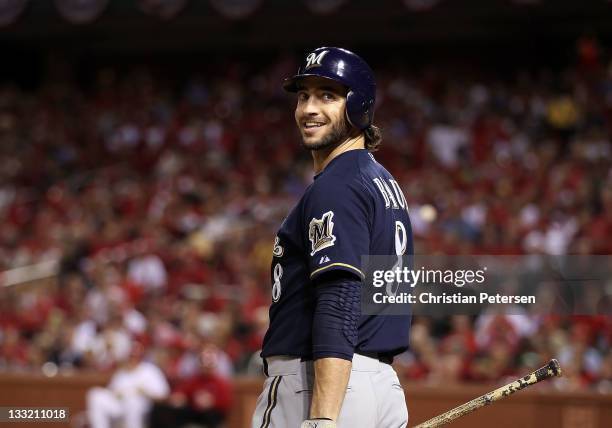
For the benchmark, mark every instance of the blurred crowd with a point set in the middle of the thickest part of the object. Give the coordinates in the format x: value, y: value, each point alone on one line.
x: 160, y: 202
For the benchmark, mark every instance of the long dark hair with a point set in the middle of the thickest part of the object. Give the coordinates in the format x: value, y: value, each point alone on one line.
x: 373, y: 138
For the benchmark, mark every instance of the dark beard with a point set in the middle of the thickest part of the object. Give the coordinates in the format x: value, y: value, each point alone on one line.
x: 339, y: 132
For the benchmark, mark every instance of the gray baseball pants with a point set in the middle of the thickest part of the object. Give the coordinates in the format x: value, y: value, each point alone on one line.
x: 374, y: 397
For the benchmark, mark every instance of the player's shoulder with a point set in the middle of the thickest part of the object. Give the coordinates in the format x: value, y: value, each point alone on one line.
x: 341, y: 188
x: 345, y: 172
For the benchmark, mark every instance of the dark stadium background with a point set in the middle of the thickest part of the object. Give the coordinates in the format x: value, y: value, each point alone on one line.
x: 66, y: 91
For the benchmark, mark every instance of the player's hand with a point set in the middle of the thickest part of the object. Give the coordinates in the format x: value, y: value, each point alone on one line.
x: 318, y: 423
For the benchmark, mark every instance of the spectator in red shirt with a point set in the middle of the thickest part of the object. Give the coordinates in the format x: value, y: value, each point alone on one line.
x: 203, y: 399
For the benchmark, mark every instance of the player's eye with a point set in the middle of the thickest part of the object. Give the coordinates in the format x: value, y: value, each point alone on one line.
x: 302, y: 96
x: 328, y: 96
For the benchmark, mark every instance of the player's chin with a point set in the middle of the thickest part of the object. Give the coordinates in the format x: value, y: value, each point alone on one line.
x: 313, y: 143
x: 309, y: 139
x: 313, y: 137
x: 312, y: 133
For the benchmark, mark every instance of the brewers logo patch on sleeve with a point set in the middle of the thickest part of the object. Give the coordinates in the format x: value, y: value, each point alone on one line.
x: 336, y: 225
x: 320, y: 232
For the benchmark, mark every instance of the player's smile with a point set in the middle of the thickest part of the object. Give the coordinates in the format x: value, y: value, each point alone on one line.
x: 311, y: 127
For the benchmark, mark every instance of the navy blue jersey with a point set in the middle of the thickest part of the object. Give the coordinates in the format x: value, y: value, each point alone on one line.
x: 353, y: 208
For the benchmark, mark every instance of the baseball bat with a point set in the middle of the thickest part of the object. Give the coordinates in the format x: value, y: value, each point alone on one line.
x: 551, y: 369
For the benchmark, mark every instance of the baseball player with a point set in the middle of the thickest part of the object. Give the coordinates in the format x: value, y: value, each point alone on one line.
x: 130, y: 394
x: 327, y: 365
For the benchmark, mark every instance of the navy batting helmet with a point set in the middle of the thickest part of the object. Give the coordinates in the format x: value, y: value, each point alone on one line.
x: 344, y: 67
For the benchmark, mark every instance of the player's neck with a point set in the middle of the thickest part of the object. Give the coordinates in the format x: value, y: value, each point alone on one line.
x: 322, y: 158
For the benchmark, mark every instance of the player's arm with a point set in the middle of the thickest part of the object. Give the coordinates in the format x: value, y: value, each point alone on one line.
x: 334, y: 339
x: 337, y: 220
x: 331, y: 379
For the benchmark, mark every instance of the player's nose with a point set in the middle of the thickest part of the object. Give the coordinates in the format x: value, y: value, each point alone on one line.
x: 310, y: 107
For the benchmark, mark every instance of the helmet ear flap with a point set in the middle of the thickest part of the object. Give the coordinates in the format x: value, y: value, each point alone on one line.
x: 358, y: 110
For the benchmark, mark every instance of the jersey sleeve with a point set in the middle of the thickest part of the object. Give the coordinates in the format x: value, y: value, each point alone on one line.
x: 337, y: 227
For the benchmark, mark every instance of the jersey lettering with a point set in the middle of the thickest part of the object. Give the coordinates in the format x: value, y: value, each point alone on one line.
x: 393, y: 198
x: 401, y: 199
x: 390, y: 193
x: 383, y: 191
x: 401, y: 243
x: 276, y: 287
x: 401, y: 238
x: 278, y: 249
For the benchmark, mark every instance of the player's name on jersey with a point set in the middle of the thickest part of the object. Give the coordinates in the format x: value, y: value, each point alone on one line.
x: 452, y: 298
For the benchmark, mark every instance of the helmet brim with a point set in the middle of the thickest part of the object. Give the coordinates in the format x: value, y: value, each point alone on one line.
x: 290, y: 84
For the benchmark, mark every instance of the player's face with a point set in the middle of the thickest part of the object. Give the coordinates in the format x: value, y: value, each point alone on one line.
x: 320, y: 113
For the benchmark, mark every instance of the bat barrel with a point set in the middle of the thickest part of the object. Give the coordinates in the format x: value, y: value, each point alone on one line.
x: 551, y: 369
x: 555, y: 367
